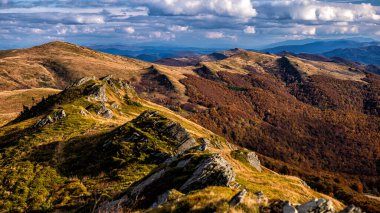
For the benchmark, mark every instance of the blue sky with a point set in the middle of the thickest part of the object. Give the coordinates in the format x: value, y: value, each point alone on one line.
x: 196, y: 23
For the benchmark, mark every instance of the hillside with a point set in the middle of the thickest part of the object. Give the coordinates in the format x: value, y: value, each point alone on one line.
x: 320, y: 46
x: 95, y: 144
x: 366, y: 55
x: 312, y: 118
x: 12, y: 102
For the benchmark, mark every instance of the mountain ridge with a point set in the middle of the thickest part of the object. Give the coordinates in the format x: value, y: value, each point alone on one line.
x: 308, y: 114
x: 66, y: 154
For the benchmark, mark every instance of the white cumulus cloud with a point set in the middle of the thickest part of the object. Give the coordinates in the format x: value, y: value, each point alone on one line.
x: 178, y: 28
x: 129, y: 30
x: 313, y: 10
x: 249, y: 30
x: 235, y: 8
x: 215, y: 35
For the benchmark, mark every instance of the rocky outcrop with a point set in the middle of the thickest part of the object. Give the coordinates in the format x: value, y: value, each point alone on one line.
x: 84, y: 80
x: 289, y: 208
x: 316, y: 205
x: 238, y: 198
x: 98, y: 92
x: 105, y: 112
x: 196, y: 171
x: 205, y: 144
x: 171, y: 129
x: 57, y: 115
x: 212, y: 171
x: 351, y: 209
x: 254, y: 161
x: 168, y: 196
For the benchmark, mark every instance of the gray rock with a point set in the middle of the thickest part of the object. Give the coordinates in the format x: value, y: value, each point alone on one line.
x: 57, y: 115
x: 105, y: 112
x: 148, y: 181
x: 43, y: 122
x: 212, y: 171
x: 199, y: 173
x: 84, y: 80
x: 205, y: 143
x: 170, y: 129
x: 107, y: 78
x: 316, y: 205
x: 183, y: 163
x: 84, y: 112
x: 351, y: 209
x: 162, y: 199
x: 176, y: 131
x: 98, y: 92
x: 289, y: 208
x: 115, y: 105
x: 169, y: 195
x: 238, y: 198
x: 254, y: 161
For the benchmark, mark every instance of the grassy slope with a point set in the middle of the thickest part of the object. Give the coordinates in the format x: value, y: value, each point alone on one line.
x: 34, y: 162
x: 12, y: 102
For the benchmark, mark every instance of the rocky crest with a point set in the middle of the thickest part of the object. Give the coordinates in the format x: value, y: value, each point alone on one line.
x: 195, y: 171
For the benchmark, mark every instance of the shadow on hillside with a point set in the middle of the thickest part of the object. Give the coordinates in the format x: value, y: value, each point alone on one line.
x: 80, y: 156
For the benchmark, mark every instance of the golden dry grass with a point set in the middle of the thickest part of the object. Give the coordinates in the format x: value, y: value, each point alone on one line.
x: 11, y: 102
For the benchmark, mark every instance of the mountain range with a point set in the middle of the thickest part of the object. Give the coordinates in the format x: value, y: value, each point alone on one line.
x: 188, y: 131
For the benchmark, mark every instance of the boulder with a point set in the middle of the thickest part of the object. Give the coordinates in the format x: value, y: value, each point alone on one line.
x: 254, y: 161
x: 205, y: 143
x: 196, y: 171
x: 84, y: 112
x: 43, y: 122
x: 316, y: 205
x: 115, y: 105
x: 238, y: 198
x: 351, y: 209
x: 168, y: 196
x: 58, y: 115
x: 171, y: 129
x: 55, y: 116
x: 98, y: 92
x: 105, y: 112
x: 84, y: 80
x: 289, y: 208
x: 212, y: 171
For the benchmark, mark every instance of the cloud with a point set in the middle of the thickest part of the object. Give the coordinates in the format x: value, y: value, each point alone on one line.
x: 220, y: 35
x: 233, y: 8
x: 91, y: 19
x: 178, y: 28
x: 167, y: 36
x: 249, y: 30
x: 214, y: 35
x: 129, y: 30
x: 313, y: 10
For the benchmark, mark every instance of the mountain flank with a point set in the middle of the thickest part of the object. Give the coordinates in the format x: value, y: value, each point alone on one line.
x: 97, y: 146
x: 316, y: 119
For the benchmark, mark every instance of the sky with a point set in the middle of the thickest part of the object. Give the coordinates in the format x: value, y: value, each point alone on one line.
x: 190, y: 23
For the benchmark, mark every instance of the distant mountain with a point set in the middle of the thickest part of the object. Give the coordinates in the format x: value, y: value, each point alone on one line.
x: 194, y: 60
x: 320, y: 46
x: 366, y: 55
x: 153, y: 53
x: 312, y: 40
